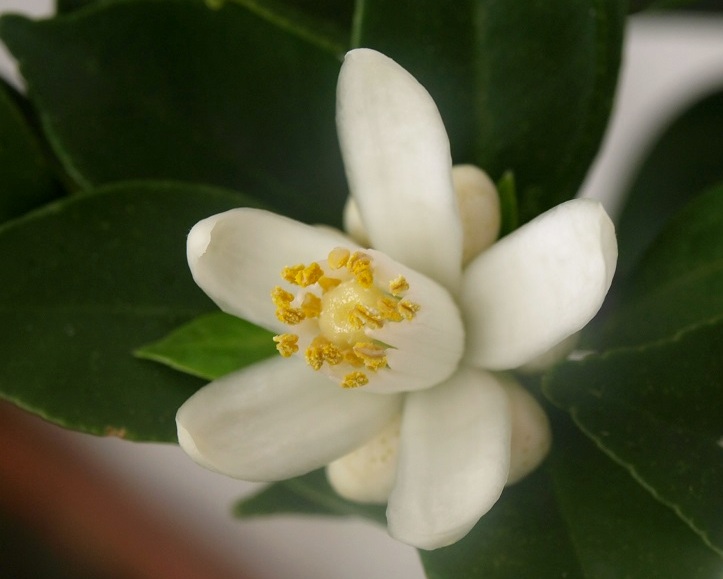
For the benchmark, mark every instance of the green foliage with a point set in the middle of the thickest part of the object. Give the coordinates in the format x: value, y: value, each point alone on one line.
x: 522, y: 86
x: 619, y: 529
x: 672, y: 173
x: 211, y: 346
x: 27, y: 180
x: 175, y: 90
x: 94, y: 277
x: 679, y: 281
x: 657, y: 410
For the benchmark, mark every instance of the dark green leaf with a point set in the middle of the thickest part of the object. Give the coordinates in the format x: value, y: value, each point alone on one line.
x: 673, y: 172
x: 619, y: 530
x: 522, y: 536
x: 310, y: 494
x: 679, y: 282
x: 211, y: 346
x: 62, y: 6
x: 176, y: 90
x: 522, y: 86
x: 508, y: 203
x: 91, y: 279
x: 697, y: 5
x: 26, y: 180
x: 657, y: 410
x: 321, y: 23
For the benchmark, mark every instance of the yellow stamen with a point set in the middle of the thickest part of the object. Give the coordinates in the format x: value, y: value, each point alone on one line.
x: 363, y: 316
x: 408, y: 309
x: 309, y: 275
x: 328, y: 283
x: 322, y: 350
x: 372, y: 355
x: 338, y: 257
x: 388, y: 309
x: 355, y: 257
x: 398, y: 286
x: 281, y: 297
x: 289, y: 315
x: 287, y: 344
x: 355, y: 380
x: 360, y: 264
x: 340, y: 313
x: 311, y: 306
x: 289, y: 273
x: 351, y: 358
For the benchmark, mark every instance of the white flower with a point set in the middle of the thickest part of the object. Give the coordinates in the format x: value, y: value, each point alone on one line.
x: 410, y: 334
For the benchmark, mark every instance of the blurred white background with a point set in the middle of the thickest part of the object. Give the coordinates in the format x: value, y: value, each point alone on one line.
x: 669, y: 62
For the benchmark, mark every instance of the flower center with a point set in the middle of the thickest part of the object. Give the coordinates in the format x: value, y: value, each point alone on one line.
x: 338, y: 304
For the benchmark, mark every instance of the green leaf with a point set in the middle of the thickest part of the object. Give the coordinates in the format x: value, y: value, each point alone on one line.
x: 521, y: 86
x: 672, y: 173
x: 211, y: 346
x: 62, y: 6
x: 310, y: 494
x: 679, y: 282
x: 522, y: 536
x: 323, y: 24
x: 657, y: 410
x: 176, y: 90
x: 92, y: 278
x: 508, y: 203
x: 27, y: 180
x: 618, y: 529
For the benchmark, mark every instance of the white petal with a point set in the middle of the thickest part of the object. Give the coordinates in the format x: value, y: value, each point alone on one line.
x: 236, y: 257
x: 353, y: 224
x: 277, y: 419
x: 398, y: 164
x: 453, y: 459
x: 531, y: 435
x: 479, y: 208
x: 538, y: 285
x: 367, y: 474
x: 425, y: 350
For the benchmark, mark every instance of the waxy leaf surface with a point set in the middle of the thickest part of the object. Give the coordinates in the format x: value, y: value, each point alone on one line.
x: 211, y: 346
x: 93, y: 278
x: 177, y: 90
x: 657, y: 410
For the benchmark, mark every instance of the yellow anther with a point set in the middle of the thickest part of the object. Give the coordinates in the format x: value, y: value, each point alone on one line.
x: 388, y: 309
x: 372, y: 355
x: 364, y: 274
x: 322, y: 350
x: 362, y: 316
x: 311, y: 306
x: 360, y: 264
x: 289, y: 315
x: 358, y: 261
x: 309, y: 275
x: 281, y: 297
x: 351, y: 358
x: 287, y: 344
x: 355, y: 380
x: 339, y: 313
x: 408, y: 309
x: 398, y: 286
x: 290, y: 272
x: 338, y: 257
x: 328, y: 283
